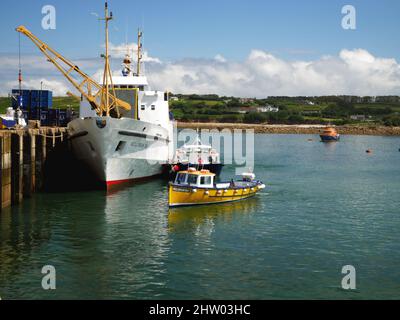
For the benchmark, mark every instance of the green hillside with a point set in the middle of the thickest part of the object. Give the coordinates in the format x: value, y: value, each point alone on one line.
x: 292, y: 110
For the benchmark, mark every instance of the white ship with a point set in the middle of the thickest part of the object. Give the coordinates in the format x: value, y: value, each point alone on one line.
x: 124, y: 131
x: 136, y: 144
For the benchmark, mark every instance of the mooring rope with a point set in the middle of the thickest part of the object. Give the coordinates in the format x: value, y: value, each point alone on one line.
x: 51, y: 136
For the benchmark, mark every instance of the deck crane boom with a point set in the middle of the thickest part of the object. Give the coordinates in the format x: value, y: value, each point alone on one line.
x: 90, y: 89
x: 70, y: 94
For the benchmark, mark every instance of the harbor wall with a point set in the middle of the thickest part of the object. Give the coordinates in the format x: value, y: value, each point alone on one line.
x: 22, y: 161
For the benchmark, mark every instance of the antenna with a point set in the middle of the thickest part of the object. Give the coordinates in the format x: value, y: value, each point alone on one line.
x: 19, y: 70
x: 126, y: 38
x: 107, y: 76
x: 139, y: 51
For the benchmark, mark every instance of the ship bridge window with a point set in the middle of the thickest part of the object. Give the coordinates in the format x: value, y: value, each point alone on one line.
x: 124, y: 87
x: 153, y: 107
x: 143, y: 107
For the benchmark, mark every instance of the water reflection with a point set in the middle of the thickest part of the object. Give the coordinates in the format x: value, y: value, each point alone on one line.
x: 180, y: 219
x: 101, y: 245
x: 22, y: 231
x: 136, y: 239
x: 330, y: 145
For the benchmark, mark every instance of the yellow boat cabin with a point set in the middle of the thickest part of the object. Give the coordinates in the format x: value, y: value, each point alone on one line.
x: 195, y: 187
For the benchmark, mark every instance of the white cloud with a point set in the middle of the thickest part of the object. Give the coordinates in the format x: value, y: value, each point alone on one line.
x: 58, y: 87
x: 261, y: 74
x: 119, y: 51
x: 220, y: 58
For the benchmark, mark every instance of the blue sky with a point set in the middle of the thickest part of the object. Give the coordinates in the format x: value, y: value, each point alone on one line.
x: 201, y: 29
x: 286, y: 47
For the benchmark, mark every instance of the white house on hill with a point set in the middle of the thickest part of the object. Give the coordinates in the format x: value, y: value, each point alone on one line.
x: 268, y: 108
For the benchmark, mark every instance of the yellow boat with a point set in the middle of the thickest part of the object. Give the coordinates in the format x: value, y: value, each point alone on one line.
x: 194, y: 187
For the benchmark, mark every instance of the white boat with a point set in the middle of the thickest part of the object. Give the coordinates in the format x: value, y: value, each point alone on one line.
x: 134, y: 146
x: 196, y: 155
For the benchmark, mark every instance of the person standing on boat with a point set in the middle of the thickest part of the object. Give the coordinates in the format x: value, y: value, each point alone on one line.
x: 200, y: 161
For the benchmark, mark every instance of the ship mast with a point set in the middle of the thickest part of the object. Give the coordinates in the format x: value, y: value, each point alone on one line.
x: 139, y: 51
x: 107, y: 76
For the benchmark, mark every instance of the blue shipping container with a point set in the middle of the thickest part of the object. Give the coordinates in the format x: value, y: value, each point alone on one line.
x: 25, y: 115
x: 41, y: 99
x: 32, y: 99
x: 25, y: 96
x: 44, y: 117
x: 34, y: 114
x: 53, y: 117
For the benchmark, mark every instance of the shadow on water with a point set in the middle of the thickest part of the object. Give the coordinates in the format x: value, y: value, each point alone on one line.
x: 63, y: 172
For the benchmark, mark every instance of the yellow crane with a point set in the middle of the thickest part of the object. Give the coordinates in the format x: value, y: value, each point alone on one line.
x: 99, y: 96
x: 70, y: 94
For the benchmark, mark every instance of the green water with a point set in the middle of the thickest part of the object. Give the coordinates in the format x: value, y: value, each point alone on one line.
x: 326, y: 206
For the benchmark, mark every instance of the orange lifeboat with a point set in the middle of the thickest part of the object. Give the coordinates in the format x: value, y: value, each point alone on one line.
x: 329, y: 134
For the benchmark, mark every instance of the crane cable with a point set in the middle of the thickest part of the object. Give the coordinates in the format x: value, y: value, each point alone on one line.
x: 19, y: 67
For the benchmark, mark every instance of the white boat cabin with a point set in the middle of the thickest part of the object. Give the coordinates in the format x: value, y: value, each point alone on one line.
x: 194, y: 178
x: 196, y: 153
x: 206, y: 179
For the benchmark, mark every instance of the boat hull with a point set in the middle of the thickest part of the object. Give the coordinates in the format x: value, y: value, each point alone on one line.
x: 188, y: 196
x: 325, y: 138
x: 119, y: 151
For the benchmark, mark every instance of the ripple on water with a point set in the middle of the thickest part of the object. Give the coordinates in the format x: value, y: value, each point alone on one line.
x: 325, y: 206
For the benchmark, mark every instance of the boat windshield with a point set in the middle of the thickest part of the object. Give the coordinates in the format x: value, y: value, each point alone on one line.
x: 206, y: 180
x: 192, y: 179
x: 180, y: 178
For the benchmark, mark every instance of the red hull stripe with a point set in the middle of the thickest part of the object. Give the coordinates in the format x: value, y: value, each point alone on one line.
x: 115, y: 182
x: 119, y: 182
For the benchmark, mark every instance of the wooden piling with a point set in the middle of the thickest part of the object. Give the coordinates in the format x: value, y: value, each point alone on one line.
x: 29, y: 164
x: 17, y: 167
x: 40, y: 158
x: 5, y: 170
x: 1, y: 170
x: 22, y: 159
